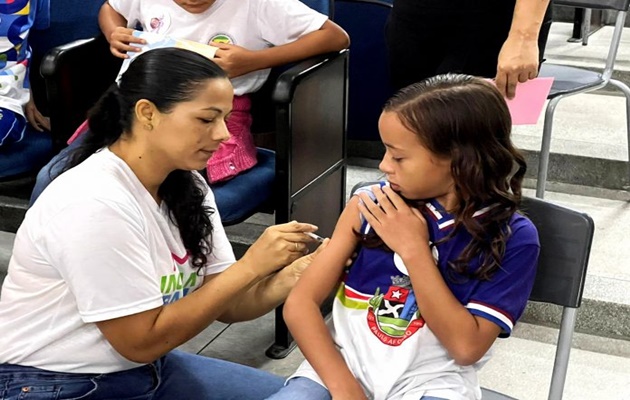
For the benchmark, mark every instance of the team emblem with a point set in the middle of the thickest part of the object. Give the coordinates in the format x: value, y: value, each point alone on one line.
x: 394, y: 316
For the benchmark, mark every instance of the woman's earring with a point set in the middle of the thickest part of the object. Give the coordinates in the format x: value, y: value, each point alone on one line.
x: 149, y: 127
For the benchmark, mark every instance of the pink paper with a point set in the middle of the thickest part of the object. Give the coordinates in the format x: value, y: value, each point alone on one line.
x: 529, y: 101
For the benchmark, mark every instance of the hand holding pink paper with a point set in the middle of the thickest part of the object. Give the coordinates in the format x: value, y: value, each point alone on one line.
x: 529, y: 101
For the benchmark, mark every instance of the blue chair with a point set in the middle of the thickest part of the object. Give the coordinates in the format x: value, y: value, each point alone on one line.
x: 369, y: 87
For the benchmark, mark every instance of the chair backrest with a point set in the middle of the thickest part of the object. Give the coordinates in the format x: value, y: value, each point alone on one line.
x: 619, y: 5
x: 71, y: 86
x: 311, y: 143
x: 364, y: 20
x: 565, y: 237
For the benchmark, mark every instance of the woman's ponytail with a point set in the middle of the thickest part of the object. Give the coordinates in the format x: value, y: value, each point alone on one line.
x: 105, y: 125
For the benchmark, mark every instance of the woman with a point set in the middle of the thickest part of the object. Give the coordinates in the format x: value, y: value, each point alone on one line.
x: 124, y: 258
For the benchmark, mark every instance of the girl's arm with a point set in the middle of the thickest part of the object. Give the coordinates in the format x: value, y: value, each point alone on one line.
x: 466, y: 337
x: 302, y: 308
x: 114, y: 28
x: 518, y: 59
x: 147, y: 335
x: 238, y: 61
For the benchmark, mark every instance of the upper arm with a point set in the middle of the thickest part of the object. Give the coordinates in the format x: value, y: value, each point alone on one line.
x: 502, y: 299
x: 118, y: 13
x: 322, y: 276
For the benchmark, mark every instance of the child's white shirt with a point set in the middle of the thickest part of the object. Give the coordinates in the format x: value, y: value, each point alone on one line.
x: 252, y: 24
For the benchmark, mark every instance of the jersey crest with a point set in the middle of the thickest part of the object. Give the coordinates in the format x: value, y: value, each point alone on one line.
x: 394, y: 316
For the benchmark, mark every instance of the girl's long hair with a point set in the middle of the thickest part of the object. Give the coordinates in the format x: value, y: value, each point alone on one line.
x: 466, y: 119
x: 165, y: 77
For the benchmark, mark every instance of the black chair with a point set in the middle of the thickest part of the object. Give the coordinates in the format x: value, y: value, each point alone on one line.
x: 570, y: 81
x: 565, y: 245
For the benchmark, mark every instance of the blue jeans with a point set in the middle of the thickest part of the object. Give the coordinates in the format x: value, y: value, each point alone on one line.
x: 177, y: 375
x: 301, y: 388
x: 51, y: 170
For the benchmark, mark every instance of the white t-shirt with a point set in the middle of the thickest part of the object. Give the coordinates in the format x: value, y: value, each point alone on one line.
x: 94, y: 247
x: 252, y: 24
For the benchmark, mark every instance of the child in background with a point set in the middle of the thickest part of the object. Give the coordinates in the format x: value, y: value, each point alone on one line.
x: 251, y: 35
x: 446, y: 263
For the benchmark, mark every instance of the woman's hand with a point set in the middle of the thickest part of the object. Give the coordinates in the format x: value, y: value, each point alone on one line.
x: 279, y: 246
x: 120, y: 42
x: 298, y: 266
x: 518, y: 63
x: 400, y: 226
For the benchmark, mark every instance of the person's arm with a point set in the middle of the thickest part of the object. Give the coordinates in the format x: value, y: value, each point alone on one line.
x: 519, y: 58
x: 268, y: 293
x: 145, y: 336
x: 114, y: 28
x: 302, y: 308
x: 466, y: 337
x: 238, y: 61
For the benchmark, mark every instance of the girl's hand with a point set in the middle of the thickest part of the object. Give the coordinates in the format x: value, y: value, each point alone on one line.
x: 120, y: 42
x: 279, y: 246
x: 235, y: 60
x: 401, y: 227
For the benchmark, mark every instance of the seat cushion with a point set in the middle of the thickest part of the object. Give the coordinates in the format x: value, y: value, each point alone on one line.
x: 242, y: 196
x: 569, y: 79
x: 27, y: 155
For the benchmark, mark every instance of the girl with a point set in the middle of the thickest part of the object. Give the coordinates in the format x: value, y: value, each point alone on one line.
x: 446, y: 263
x: 123, y: 258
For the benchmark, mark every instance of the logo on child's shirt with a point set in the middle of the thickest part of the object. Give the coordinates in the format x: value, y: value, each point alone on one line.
x: 158, y: 20
x: 223, y: 38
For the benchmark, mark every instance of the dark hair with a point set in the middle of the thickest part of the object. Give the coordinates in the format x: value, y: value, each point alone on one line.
x: 466, y: 119
x: 166, y: 77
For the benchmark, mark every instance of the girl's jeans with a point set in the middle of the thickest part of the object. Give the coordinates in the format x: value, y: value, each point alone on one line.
x: 301, y: 388
x: 177, y: 375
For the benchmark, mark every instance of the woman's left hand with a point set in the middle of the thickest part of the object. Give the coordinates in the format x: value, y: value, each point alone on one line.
x: 400, y: 226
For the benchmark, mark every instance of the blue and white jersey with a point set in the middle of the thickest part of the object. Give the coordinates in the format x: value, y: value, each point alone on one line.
x: 379, y: 328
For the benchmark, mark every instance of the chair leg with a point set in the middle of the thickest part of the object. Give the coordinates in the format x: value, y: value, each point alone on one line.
x: 563, y: 350
x: 543, y: 163
x: 626, y: 91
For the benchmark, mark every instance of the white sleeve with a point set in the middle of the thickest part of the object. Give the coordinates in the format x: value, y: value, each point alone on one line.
x: 129, y: 9
x: 222, y: 255
x: 101, y: 250
x: 285, y: 21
